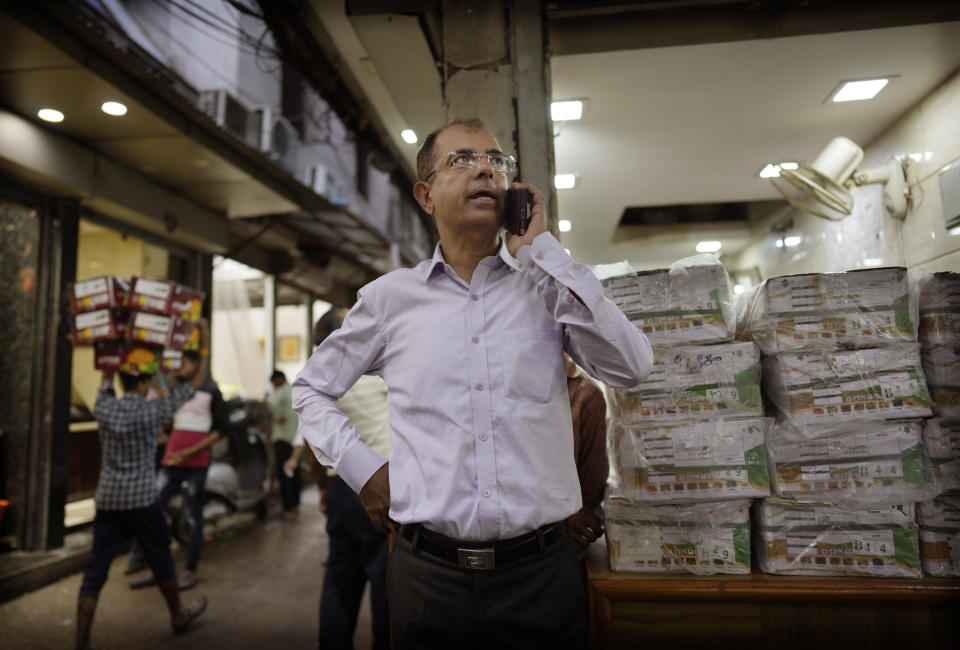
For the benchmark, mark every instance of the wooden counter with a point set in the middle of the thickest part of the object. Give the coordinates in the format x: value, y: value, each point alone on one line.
x: 636, y: 610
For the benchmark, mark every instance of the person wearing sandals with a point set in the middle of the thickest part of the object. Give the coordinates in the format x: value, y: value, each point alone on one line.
x: 126, y: 500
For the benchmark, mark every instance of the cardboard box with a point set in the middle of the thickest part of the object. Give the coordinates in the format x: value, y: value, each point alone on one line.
x: 940, y: 309
x: 151, y: 294
x: 697, y: 461
x: 114, y: 355
x: 680, y: 306
x: 171, y: 360
x: 186, y: 303
x: 99, y: 325
x: 828, y: 388
x: 696, y: 382
x: 873, y: 461
x: 940, y: 536
x: 941, y: 364
x: 150, y: 328
x: 702, y: 538
x: 847, y: 310
x: 826, y: 540
x: 184, y: 335
x: 98, y: 293
x: 941, y: 439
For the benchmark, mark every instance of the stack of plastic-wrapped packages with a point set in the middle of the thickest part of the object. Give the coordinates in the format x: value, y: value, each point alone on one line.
x: 688, y: 443
x: 939, y: 518
x: 842, y: 369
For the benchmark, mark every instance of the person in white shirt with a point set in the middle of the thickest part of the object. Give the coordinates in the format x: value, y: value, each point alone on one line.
x: 481, y: 477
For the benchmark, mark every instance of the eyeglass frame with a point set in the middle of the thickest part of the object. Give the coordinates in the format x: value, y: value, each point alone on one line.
x: 511, y: 161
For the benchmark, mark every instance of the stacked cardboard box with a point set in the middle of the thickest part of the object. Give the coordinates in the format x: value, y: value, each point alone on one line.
x: 690, y: 435
x: 700, y: 538
x: 136, y: 320
x: 822, y: 539
x: 941, y: 438
x: 940, y: 536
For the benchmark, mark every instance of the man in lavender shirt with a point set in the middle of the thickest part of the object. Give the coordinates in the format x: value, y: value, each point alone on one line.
x: 481, y: 476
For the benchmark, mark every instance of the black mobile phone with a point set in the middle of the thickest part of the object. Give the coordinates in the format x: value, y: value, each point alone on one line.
x: 517, y: 216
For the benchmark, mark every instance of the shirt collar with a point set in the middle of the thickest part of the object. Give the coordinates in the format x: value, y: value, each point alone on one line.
x: 437, y: 261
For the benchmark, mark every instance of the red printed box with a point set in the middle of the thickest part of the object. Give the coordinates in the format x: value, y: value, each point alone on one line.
x: 186, y: 303
x: 153, y: 329
x: 99, y: 325
x: 108, y: 355
x: 185, y: 335
x: 150, y: 294
x: 171, y: 360
x: 98, y: 293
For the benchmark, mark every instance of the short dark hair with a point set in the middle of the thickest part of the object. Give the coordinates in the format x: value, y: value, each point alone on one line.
x: 278, y: 374
x: 130, y: 382
x: 327, y: 324
x: 425, y: 155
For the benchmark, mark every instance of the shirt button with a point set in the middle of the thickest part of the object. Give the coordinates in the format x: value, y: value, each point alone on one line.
x: 570, y: 299
x: 483, y: 437
x: 539, y: 256
x: 474, y: 296
x: 475, y: 339
x: 479, y: 386
x: 531, y: 264
x: 486, y: 493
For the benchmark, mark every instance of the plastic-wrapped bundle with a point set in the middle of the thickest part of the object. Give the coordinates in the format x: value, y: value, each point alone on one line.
x: 940, y: 536
x: 873, y: 461
x: 941, y: 438
x: 846, y: 310
x: 695, y: 461
x: 815, y: 539
x: 940, y: 309
x: 696, y: 382
x: 828, y: 388
x: 941, y: 364
x: 700, y: 538
x: 691, y: 302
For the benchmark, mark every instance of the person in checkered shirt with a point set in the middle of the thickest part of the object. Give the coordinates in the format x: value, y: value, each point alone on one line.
x: 126, y: 499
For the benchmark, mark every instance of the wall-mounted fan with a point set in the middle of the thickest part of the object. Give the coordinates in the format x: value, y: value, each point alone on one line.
x: 822, y: 188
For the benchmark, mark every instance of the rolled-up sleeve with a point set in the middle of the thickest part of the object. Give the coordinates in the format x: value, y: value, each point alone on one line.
x: 597, y: 334
x: 355, y: 349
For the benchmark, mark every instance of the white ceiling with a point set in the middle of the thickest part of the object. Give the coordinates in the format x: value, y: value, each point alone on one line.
x: 694, y: 124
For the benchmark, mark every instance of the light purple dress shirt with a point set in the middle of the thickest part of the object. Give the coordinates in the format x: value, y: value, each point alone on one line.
x: 477, y: 394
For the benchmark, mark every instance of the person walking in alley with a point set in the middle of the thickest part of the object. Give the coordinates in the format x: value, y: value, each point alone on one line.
x: 358, y: 551
x: 284, y: 432
x: 126, y: 499
x: 196, y: 426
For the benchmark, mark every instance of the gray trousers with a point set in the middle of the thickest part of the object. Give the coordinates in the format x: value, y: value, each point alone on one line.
x: 537, y: 602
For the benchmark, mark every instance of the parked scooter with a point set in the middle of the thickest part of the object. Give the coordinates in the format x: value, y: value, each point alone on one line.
x: 240, y: 473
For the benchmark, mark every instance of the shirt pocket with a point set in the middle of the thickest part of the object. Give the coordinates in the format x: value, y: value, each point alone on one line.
x: 532, y: 363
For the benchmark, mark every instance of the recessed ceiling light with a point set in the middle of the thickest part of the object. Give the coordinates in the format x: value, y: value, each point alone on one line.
x: 852, y: 91
x: 738, y: 289
x: 708, y: 246
x: 792, y: 240
x: 564, y: 181
x: 113, y: 108
x: 50, y: 115
x: 568, y: 110
x: 564, y: 225
x: 789, y: 165
x: 408, y: 136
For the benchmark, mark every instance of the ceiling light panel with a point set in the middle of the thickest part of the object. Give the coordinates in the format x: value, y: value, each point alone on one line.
x: 709, y: 246
x: 564, y: 225
x: 567, y: 110
x: 409, y: 136
x: 853, y: 91
x: 113, y: 108
x: 565, y: 181
x: 50, y: 115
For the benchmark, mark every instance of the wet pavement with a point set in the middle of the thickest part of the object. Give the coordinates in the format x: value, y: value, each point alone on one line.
x: 263, y: 580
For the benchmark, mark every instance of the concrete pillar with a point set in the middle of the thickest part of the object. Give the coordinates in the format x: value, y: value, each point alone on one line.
x: 270, y: 322
x: 496, y: 68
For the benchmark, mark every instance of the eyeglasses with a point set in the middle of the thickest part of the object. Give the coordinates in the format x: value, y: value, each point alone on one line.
x: 466, y: 159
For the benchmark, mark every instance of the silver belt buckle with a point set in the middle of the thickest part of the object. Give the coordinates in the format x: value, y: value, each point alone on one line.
x: 481, y: 559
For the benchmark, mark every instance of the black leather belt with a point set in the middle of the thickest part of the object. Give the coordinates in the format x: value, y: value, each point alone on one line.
x: 483, y: 555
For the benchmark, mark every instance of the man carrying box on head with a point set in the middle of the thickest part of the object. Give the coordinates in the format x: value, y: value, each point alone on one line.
x: 126, y: 498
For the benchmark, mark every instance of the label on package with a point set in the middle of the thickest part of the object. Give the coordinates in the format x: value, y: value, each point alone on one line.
x: 90, y: 287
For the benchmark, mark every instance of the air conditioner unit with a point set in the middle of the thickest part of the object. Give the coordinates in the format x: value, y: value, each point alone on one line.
x: 320, y: 180
x: 229, y: 113
x: 279, y: 140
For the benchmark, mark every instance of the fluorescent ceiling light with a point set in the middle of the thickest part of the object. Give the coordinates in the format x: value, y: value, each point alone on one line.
x: 113, y: 108
x: 954, y: 231
x: 771, y: 170
x: 779, y: 243
x: 569, y: 110
x: 564, y: 225
x: 789, y: 165
x: 872, y: 261
x: 792, y: 240
x: 50, y: 115
x: 408, y: 136
x: 564, y: 181
x: 708, y: 246
x: 852, y: 91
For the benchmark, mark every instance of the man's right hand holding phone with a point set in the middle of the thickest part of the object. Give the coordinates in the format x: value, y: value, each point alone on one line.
x: 538, y: 221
